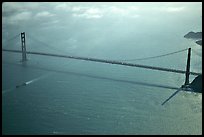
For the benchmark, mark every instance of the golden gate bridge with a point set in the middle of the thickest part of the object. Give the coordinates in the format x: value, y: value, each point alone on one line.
x: 187, y: 72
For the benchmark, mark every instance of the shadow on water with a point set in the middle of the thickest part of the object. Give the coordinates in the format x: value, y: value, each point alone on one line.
x: 171, y: 96
x: 94, y: 76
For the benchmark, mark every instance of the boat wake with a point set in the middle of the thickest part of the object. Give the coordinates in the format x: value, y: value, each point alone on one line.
x: 25, y: 83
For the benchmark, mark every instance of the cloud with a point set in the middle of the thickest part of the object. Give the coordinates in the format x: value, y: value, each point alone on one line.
x: 44, y: 14
x: 13, y: 12
x: 174, y: 9
x: 99, y: 12
x: 93, y: 11
x: 135, y: 16
x: 116, y: 10
x: 62, y: 6
x: 50, y: 23
x: 11, y: 7
x: 15, y: 7
x: 78, y: 8
x: 128, y: 11
x: 88, y: 16
x: 169, y: 9
x: 87, y: 12
x: 134, y: 8
x: 23, y: 16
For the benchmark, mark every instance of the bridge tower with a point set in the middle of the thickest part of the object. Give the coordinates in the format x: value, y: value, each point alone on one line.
x: 23, y: 47
x: 188, y: 68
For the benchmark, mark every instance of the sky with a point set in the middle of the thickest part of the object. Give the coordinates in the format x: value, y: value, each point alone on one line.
x: 100, y: 23
x: 47, y: 15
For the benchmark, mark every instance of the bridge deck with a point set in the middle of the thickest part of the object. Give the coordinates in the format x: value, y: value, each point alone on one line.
x: 105, y: 61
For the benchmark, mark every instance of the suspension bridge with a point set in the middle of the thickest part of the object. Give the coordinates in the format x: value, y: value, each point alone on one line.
x: 187, y: 72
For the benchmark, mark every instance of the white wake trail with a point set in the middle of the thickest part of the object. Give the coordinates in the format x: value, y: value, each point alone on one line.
x: 36, y: 79
x: 26, y: 83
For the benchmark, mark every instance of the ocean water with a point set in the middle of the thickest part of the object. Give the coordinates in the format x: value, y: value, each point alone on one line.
x: 65, y: 96
x: 79, y: 97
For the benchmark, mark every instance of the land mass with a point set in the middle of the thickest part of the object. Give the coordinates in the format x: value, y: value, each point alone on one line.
x: 199, y: 42
x: 196, y: 84
x: 193, y: 35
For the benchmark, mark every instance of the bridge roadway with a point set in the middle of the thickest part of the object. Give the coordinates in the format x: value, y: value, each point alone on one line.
x: 104, y: 61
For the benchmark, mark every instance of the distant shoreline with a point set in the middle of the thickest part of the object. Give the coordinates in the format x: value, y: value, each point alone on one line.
x: 195, y: 36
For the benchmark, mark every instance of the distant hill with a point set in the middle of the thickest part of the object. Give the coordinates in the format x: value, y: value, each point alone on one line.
x: 199, y: 42
x: 193, y: 35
